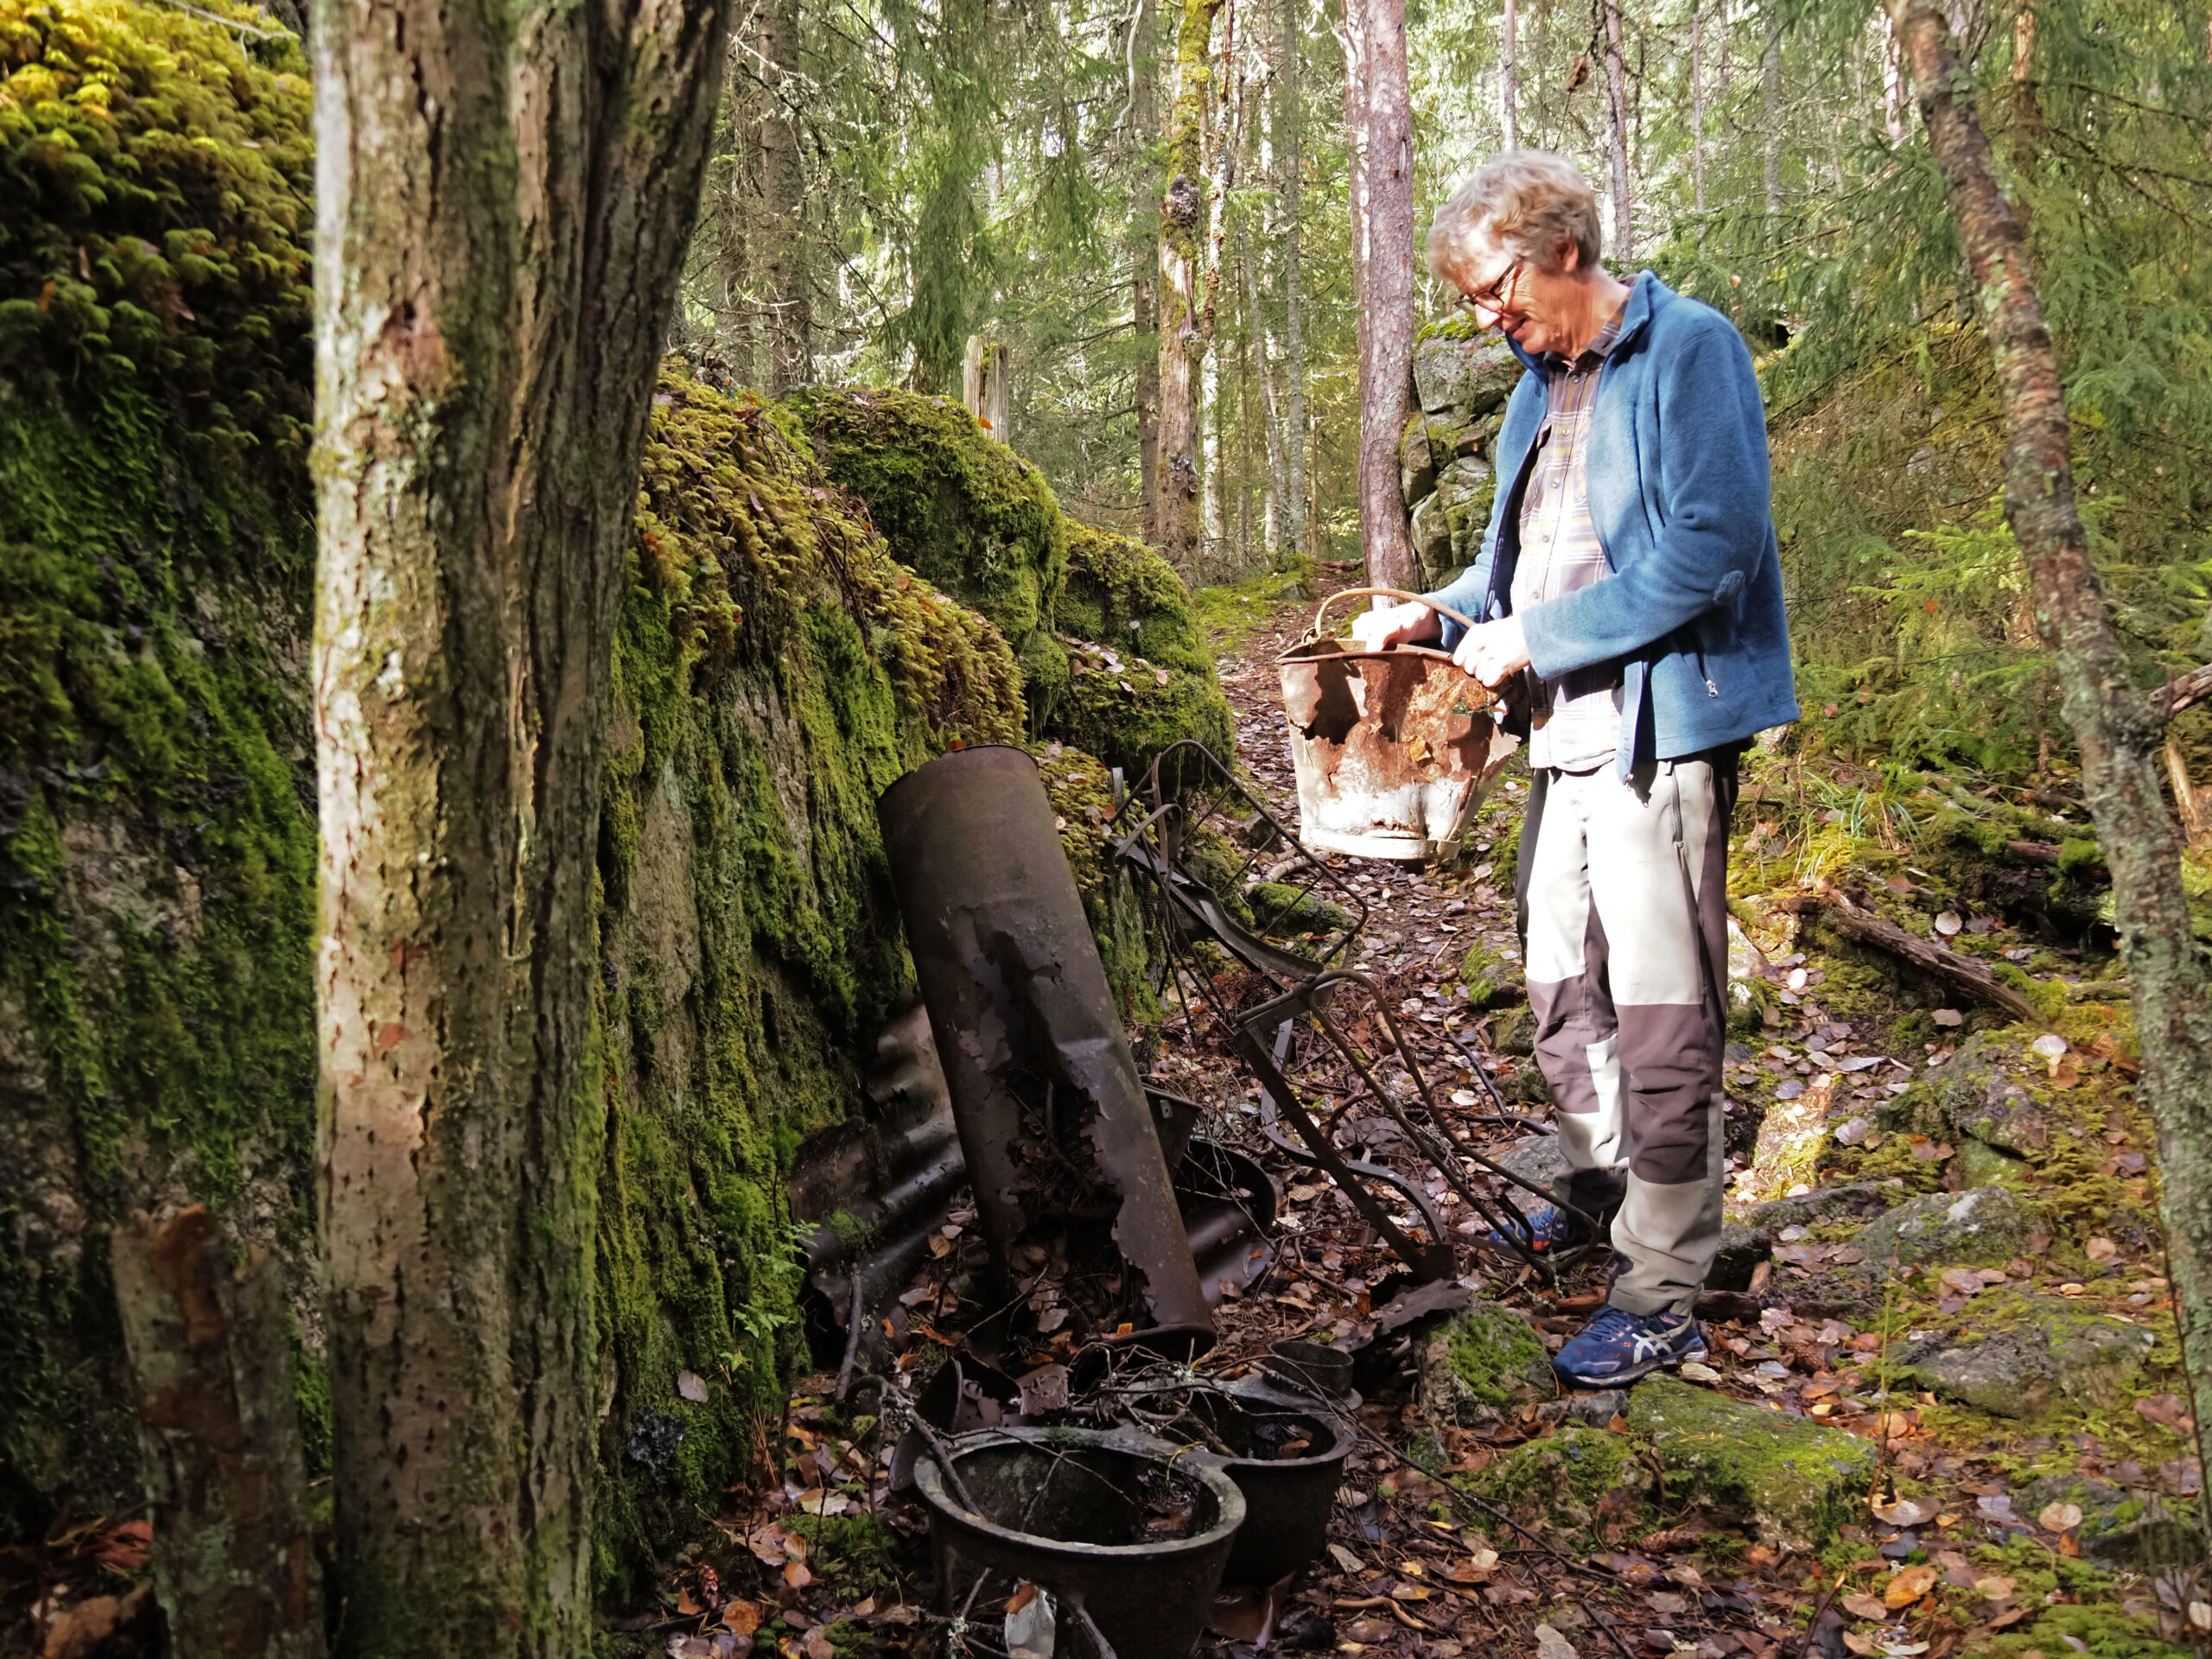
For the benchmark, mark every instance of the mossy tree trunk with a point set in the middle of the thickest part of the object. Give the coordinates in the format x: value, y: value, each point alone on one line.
x: 505, y: 196
x: 2116, y: 726
x: 1385, y: 267
x: 1182, y: 327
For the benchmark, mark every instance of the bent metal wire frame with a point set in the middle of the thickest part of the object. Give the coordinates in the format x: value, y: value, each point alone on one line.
x: 1191, y: 818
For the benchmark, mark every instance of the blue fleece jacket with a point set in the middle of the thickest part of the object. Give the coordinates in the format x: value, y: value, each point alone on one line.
x: 1679, y: 496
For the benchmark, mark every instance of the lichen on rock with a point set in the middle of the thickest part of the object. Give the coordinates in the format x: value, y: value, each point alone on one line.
x: 1584, y: 1485
x: 1984, y: 1226
x: 2019, y: 1356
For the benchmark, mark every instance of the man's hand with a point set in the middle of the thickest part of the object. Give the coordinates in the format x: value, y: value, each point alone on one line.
x: 1395, y: 624
x: 1493, y: 651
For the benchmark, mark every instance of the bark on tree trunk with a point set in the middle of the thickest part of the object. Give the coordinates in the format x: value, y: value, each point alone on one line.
x: 1508, y: 78
x: 505, y: 196
x: 2116, y: 726
x: 1182, y: 336
x: 1772, y: 76
x: 1144, y: 311
x: 210, y: 1363
x: 791, y: 352
x: 1386, y: 367
x: 1697, y: 112
x: 1271, y: 421
x: 1617, y: 103
x: 1290, y: 146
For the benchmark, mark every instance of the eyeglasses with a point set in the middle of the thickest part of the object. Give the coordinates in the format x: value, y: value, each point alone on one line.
x: 1491, y: 295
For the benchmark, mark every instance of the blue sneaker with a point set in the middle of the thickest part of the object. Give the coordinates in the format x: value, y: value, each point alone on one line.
x: 1619, y: 1346
x: 1554, y: 1229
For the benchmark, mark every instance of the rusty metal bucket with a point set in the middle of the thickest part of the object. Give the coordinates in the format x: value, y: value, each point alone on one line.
x: 1393, y: 748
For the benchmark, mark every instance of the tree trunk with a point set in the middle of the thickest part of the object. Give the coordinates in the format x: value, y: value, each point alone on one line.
x: 1182, y: 337
x: 1386, y: 365
x: 783, y: 185
x: 1289, y: 147
x: 210, y: 1363
x: 504, y: 198
x: 1772, y: 135
x: 1697, y: 114
x: 1271, y: 417
x: 2116, y: 726
x: 1724, y: 69
x: 1144, y: 311
x: 1617, y: 106
x: 1509, y: 80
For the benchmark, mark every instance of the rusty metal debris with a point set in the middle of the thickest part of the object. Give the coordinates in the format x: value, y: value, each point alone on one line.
x: 1229, y: 879
x: 874, y: 1188
x: 1071, y: 1186
x: 1393, y: 748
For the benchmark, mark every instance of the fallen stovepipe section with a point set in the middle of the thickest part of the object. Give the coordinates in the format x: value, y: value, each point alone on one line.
x: 1073, y: 1190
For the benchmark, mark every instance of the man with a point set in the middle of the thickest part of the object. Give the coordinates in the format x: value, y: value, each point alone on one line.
x: 1628, y: 596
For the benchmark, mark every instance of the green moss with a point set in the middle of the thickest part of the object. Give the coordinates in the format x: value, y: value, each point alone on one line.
x: 1794, y: 1480
x: 856, y: 1554
x: 1580, y: 1485
x: 1281, y: 909
x: 1493, y: 1354
x: 161, y: 203
x: 158, y: 842
x: 958, y: 508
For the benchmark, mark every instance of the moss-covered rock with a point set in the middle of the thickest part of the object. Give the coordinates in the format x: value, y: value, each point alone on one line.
x: 1984, y: 1226
x: 1482, y: 1367
x: 1582, y: 1486
x: 157, y: 837
x: 1793, y: 1481
x: 2019, y: 1356
x: 956, y: 506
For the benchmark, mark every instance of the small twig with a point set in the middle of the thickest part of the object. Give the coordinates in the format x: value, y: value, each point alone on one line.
x: 852, y: 1340
x: 943, y: 1453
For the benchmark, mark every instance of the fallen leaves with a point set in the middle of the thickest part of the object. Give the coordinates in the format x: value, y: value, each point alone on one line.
x: 1908, y: 1585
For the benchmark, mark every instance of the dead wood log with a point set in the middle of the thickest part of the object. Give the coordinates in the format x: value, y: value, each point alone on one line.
x: 2184, y: 691
x: 211, y: 1365
x: 1962, y: 974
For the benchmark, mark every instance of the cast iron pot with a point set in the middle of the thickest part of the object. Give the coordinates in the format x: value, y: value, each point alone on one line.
x: 1060, y: 1508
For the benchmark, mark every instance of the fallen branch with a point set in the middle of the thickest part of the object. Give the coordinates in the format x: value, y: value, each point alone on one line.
x: 2182, y: 691
x: 1962, y: 974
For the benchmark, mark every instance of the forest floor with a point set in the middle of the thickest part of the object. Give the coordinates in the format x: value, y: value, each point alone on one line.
x: 1941, y: 1413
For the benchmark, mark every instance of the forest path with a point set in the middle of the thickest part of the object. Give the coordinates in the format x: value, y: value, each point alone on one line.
x: 2007, y: 1487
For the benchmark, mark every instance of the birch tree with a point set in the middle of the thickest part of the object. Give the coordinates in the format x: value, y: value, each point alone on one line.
x: 2117, y: 726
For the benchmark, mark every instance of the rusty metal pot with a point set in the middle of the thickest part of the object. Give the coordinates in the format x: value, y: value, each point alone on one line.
x: 1066, y: 1508
x: 1394, y: 749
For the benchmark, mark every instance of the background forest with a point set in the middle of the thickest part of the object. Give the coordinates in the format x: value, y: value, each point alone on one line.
x: 899, y: 192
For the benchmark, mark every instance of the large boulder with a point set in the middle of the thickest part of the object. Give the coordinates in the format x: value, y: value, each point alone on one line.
x: 1984, y: 1226
x: 2019, y: 1356
x: 1472, y: 377
x: 1482, y: 1367
x: 1791, y: 1480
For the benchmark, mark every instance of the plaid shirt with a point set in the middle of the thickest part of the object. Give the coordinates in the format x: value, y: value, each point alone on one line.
x: 1575, y: 721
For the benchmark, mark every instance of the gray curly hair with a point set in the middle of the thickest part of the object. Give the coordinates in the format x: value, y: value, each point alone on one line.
x: 1527, y: 203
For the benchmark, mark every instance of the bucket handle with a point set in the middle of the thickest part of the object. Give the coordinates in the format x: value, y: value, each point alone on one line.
x: 1314, y: 632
